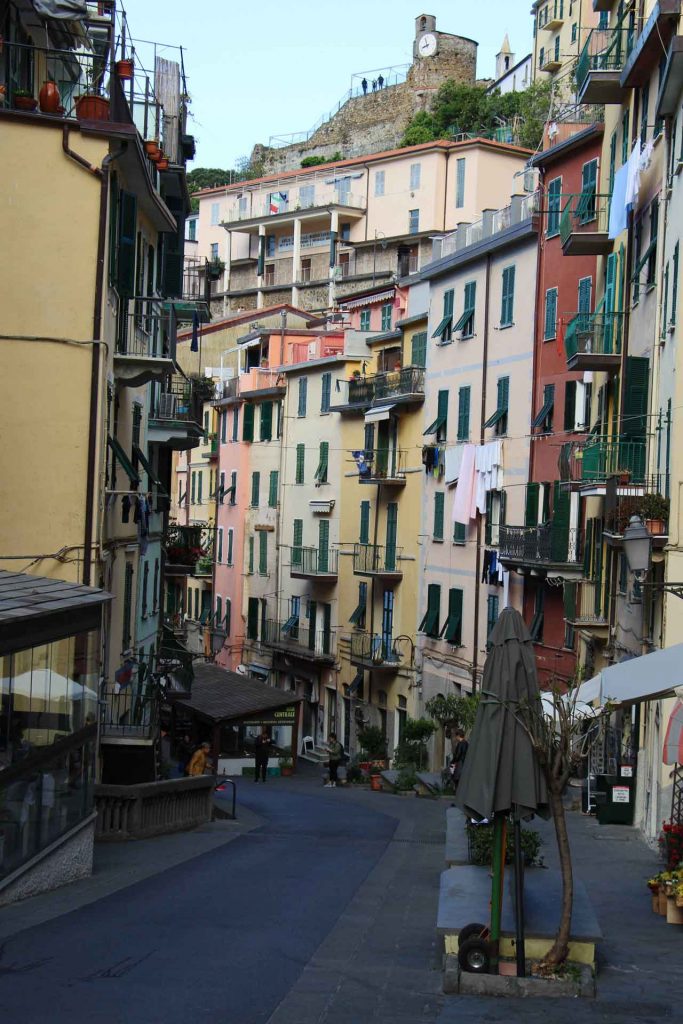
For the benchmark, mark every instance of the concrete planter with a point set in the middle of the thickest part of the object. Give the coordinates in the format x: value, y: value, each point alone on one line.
x: 458, y: 982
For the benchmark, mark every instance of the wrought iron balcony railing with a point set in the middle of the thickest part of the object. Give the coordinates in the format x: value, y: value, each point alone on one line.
x: 584, y: 213
x: 376, y: 560
x: 375, y: 650
x: 597, y: 459
x: 146, y: 330
x: 381, y: 465
x: 605, y: 50
x: 306, y: 640
x: 533, y: 545
x: 593, y: 340
x: 314, y: 562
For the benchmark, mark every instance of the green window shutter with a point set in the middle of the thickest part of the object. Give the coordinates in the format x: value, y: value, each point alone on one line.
x: 145, y: 585
x: 263, y: 552
x: 636, y: 397
x: 464, y: 413
x: 300, y: 452
x: 625, y: 139
x: 248, y: 423
x: 459, y: 533
x: 303, y: 393
x: 327, y: 627
x: 218, y: 614
x: 442, y: 414
x: 323, y: 545
x: 665, y: 290
x: 272, y: 488
x: 588, y: 550
x: 255, y: 488
x: 569, y: 600
x: 228, y: 610
x: 326, y: 392
x: 230, y: 543
x: 452, y: 631
x: 531, y: 505
x: 507, y: 307
x: 251, y: 554
x: 488, y: 528
x: 439, y: 499
x: 470, y: 306
x: 252, y: 619
x: 430, y: 622
x: 503, y: 508
x: 235, y: 423
x: 125, y: 262
x: 419, y: 349
x: 200, y: 481
x: 364, y: 537
x: 312, y: 617
x: 392, y: 526
x: 365, y: 319
x: 598, y: 566
x: 323, y: 461
x: 550, y: 322
x: 233, y: 487
x: 266, y: 421
x: 193, y: 487
x: 220, y: 546
x: 554, y: 204
x: 127, y: 605
x: 559, y: 537
x: 491, y: 613
x: 569, y: 404
x: 297, y: 541
x: 674, y: 284
x: 612, y: 160
x: 448, y: 300
x: 585, y: 293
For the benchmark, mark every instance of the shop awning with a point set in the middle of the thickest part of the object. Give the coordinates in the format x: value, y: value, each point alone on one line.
x: 222, y: 696
x: 376, y: 415
x: 368, y: 300
x: 646, y: 678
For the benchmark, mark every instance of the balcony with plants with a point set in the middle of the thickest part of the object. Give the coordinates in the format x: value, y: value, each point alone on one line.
x: 601, y: 63
x: 184, y: 548
x: 303, y: 641
x: 592, y: 341
x: 651, y: 506
x: 400, y: 386
x: 320, y: 564
x: 593, y: 462
x: 584, y: 224
x: 376, y: 651
x: 381, y: 466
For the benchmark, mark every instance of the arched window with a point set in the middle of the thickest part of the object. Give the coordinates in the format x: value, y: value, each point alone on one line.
x: 507, y: 63
x: 423, y: 24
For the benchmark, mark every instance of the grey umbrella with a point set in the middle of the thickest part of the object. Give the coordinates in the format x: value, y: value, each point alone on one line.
x: 501, y: 774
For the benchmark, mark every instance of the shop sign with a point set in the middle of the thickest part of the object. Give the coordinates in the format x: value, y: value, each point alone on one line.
x: 621, y: 795
x: 276, y: 716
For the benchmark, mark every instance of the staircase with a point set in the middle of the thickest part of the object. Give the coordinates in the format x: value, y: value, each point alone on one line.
x: 318, y: 755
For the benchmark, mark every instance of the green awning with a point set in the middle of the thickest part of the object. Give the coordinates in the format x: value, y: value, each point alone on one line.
x: 436, y: 425
x: 497, y: 416
x: 124, y: 461
x: 443, y: 327
x: 545, y: 411
x: 430, y: 621
x: 462, y: 322
x: 148, y: 469
x: 291, y: 624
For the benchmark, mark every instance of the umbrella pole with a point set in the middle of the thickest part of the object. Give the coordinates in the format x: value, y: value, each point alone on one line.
x: 519, y: 902
x: 498, y: 866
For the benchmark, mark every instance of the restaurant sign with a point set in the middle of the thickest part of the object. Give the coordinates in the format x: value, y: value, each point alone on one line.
x: 273, y: 716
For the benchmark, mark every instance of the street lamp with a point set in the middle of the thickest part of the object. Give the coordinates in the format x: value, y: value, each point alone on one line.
x: 637, y: 548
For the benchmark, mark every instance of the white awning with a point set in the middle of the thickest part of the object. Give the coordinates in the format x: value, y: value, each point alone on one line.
x: 646, y: 678
x: 368, y: 300
x: 375, y: 415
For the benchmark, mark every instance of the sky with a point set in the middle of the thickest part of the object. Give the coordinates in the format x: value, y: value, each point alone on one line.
x: 273, y: 67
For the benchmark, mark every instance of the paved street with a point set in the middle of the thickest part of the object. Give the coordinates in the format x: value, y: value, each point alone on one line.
x: 319, y: 906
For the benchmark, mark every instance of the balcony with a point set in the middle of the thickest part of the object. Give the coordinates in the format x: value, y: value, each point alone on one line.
x: 261, y: 382
x: 184, y: 548
x: 555, y: 16
x: 278, y: 206
x: 382, y: 466
x: 591, y: 463
x: 315, y: 564
x: 645, y: 501
x: 550, y: 62
x: 584, y: 225
x: 212, y: 453
x: 175, y: 416
x: 301, y: 641
x: 378, y: 561
x: 600, y: 64
x: 402, y: 387
x: 376, y: 652
x: 583, y: 604
x: 593, y: 341
x: 547, y: 547
x: 646, y: 51
x: 145, y: 342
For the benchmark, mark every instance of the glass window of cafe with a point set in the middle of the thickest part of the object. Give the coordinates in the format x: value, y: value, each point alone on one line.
x: 48, y: 714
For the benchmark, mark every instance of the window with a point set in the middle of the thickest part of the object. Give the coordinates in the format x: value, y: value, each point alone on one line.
x: 358, y: 615
x: 390, y: 536
x: 445, y: 329
x: 231, y: 542
x: 323, y: 545
x: 644, y: 110
x: 459, y: 183
x: 652, y: 247
x: 200, y: 480
x: 232, y: 490
x: 536, y: 627
x: 554, y: 207
x: 303, y: 393
x: 214, y: 251
x: 127, y: 605
x: 270, y: 248
x: 415, y: 170
x: 297, y: 541
x: 219, y: 551
x: 235, y: 423
x: 252, y: 619
x: 589, y: 185
x: 263, y: 553
x: 255, y: 487
x: 266, y: 431
x: 224, y: 427
x: 386, y: 316
x: 369, y: 439
x: 300, y: 450
x: 323, y: 460
x: 570, y: 405
x: 215, y: 214
x: 440, y: 424
x: 674, y: 285
x: 248, y: 423
x: 430, y: 622
x: 544, y: 419
x: 272, y: 488
x: 413, y: 221
x: 145, y: 585
x: 155, y: 587
x: 418, y: 356
x: 541, y: 57
x: 603, y: 23
x: 625, y: 140
x: 491, y: 614
x: 466, y: 322
x: 379, y: 183
x: 575, y: 29
x: 365, y: 319
x: 459, y: 533
x: 193, y: 488
x: 325, y: 392
x: 451, y: 631
x: 345, y: 231
x: 508, y: 298
x: 637, y: 247
x: 364, y: 532
x: 464, y: 413
x: 437, y: 532
x: 218, y: 613
x: 306, y: 196
x: 192, y: 230
x: 291, y: 626
x: 499, y: 419
x: 251, y: 555
x: 550, y: 321
x: 584, y: 307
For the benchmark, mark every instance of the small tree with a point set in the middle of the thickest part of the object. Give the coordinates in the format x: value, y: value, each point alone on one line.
x: 412, y: 747
x: 373, y: 742
x: 454, y: 712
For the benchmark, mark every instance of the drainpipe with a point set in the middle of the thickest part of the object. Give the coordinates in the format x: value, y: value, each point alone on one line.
x: 477, y: 582
x: 372, y: 581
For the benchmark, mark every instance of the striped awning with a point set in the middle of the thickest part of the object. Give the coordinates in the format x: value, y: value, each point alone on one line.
x: 382, y: 413
x: 368, y: 300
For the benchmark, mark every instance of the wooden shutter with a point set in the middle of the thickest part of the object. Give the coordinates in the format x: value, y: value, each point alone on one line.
x: 200, y: 481
x: 559, y: 539
x: 263, y: 552
x: 550, y: 324
x: 554, y: 192
x: 588, y: 551
x: 448, y: 297
x: 228, y: 609
x: 174, y: 250
x: 297, y: 541
x: 303, y: 393
x: 230, y: 543
x: 459, y: 533
x: 220, y: 546
x: 251, y: 554
x: 442, y: 413
x: 125, y: 263
x: 464, y: 414
x: 636, y: 397
x: 569, y: 405
x: 438, y: 515
x: 569, y: 600
x: 453, y: 634
x: 326, y: 392
x: 300, y: 453
x: 531, y: 506
x: 488, y: 528
x: 392, y: 523
x: 272, y: 489
x: 323, y: 545
x: 585, y: 289
x: 364, y: 536
x: 419, y: 349
x: 255, y: 488
x: 127, y: 604
x: 508, y: 296
x: 252, y: 618
x: 266, y: 421
x: 248, y: 423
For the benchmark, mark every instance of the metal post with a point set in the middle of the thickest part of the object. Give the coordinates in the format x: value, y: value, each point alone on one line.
x: 519, y: 902
x: 498, y: 869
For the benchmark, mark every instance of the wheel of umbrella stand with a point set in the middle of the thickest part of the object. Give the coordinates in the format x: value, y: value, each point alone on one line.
x: 474, y: 956
x: 479, y: 931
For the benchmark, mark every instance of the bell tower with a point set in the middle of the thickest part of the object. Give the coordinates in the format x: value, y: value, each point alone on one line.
x: 423, y: 23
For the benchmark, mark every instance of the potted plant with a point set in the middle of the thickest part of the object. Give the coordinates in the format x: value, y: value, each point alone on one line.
x: 91, y: 105
x: 152, y: 149
x: 285, y: 762
x: 23, y: 99
x: 654, y: 511
x: 162, y: 165
x: 124, y: 68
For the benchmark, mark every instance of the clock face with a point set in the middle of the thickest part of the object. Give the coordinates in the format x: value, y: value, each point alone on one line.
x: 427, y: 45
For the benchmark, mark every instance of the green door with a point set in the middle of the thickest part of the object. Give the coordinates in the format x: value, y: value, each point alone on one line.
x: 392, y: 522
x: 559, y: 538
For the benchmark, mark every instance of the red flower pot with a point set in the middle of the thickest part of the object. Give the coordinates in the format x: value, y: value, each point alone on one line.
x: 25, y: 103
x: 49, y: 98
x: 92, y: 108
x: 162, y: 165
x: 152, y: 149
x: 124, y: 69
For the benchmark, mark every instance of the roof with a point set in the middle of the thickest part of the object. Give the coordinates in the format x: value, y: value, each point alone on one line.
x: 220, y: 695
x: 592, y: 133
x: 37, y: 610
x: 505, y: 48
x: 439, y: 145
x: 245, y: 317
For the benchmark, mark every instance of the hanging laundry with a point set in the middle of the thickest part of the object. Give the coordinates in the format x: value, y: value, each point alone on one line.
x: 464, y: 504
x: 618, y: 212
x: 453, y: 461
x: 362, y: 463
x: 633, y: 176
x: 141, y: 517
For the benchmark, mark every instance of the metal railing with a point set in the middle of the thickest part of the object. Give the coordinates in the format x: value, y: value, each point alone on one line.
x: 259, y: 379
x: 179, y: 399
x: 579, y: 113
x: 593, y: 334
x: 128, y: 713
x: 584, y: 212
x: 604, y: 50
x: 586, y: 602
x: 374, y: 649
x: 376, y: 559
x: 382, y: 464
x: 320, y: 643
x: 596, y: 460
x: 523, y: 208
x: 392, y: 384
x: 314, y: 561
x: 644, y: 500
x: 538, y: 544
x: 146, y: 330
x: 268, y: 206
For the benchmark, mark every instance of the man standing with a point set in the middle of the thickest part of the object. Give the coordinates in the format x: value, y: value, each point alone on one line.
x: 336, y: 753
x: 262, y: 746
x: 380, y: 81
x: 364, y: 85
x: 459, y: 754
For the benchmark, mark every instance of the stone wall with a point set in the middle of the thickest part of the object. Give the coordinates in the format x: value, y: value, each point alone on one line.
x: 67, y: 860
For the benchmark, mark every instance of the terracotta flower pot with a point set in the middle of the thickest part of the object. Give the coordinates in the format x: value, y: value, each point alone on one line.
x: 25, y: 103
x: 124, y: 69
x: 92, y: 108
x: 152, y: 148
x: 286, y: 770
x: 661, y: 897
x: 49, y: 98
x: 376, y: 783
x: 655, y: 526
x: 162, y: 165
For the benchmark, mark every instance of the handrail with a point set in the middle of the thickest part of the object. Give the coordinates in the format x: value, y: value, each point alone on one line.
x: 220, y: 783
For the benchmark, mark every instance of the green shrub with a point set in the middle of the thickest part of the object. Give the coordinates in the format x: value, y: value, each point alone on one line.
x: 481, y: 845
x: 407, y: 778
x: 373, y: 742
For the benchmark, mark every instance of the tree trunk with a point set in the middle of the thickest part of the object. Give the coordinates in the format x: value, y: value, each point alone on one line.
x: 560, y: 949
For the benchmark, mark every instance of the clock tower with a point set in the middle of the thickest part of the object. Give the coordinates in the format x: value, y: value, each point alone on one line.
x: 426, y: 37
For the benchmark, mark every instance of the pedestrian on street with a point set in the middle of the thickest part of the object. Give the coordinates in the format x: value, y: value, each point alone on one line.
x: 199, y: 760
x: 374, y: 85
x: 262, y: 749
x: 364, y: 85
x: 336, y: 752
x: 459, y: 754
x: 380, y: 82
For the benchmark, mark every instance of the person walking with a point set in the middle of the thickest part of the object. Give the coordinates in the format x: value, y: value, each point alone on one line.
x: 380, y: 82
x: 459, y: 754
x: 364, y: 85
x: 262, y: 748
x: 199, y: 760
x: 336, y: 752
